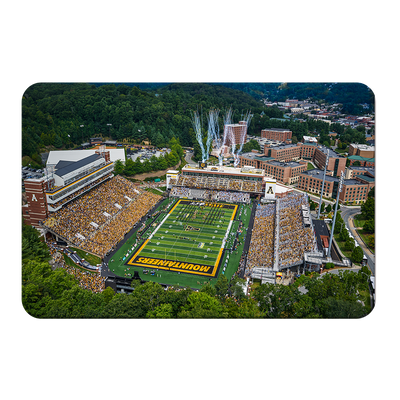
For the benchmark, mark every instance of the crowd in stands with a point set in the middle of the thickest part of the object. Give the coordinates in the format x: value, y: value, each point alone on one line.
x: 87, y: 280
x: 178, y: 191
x: 219, y: 183
x: 80, y: 191
x: 261, y: 249
x: 99, y: 219
x: 294, y: 238
x: 208, y: 194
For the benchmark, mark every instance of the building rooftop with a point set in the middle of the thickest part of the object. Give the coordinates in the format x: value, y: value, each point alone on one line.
x: 310, y: 139
x: 72, y: 166
x: 359, y: 158
x: 256, y: 156
x: 318, y: 173
x: 329, y: 151
x: 370, y: 170
x: 363, y: 147
x: 264, y: 158
x: 276, y: 129
x: 283, y: 146
x: 352, y: 182
x: 285, y: 164
x: 367, y: 178
x: 75, y: 155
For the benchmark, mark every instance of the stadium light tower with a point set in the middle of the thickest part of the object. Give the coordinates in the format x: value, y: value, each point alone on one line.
x: 323, y: 183
x: 334, y: 217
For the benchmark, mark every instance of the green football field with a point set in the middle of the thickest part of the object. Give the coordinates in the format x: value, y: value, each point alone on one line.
x: 188, y: 239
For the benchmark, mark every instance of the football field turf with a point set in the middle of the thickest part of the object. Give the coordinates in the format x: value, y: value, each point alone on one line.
x: 189, y: 239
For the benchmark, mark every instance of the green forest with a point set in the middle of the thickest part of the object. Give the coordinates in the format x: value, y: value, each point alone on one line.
x: 65, y: 115
x: 48, y: 293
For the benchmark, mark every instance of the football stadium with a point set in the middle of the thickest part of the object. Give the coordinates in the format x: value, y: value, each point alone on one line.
x: 210, y: 221
x: 188, y: 231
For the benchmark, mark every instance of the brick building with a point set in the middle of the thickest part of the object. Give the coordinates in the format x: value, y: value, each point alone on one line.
x: 363, y: 161
x: 284, y: 172
x: 353, y: 190
x: 276, y: 134
x: 362, y: 150
x: 238, y: 131
x: 352, y: 172
x: 36, y: 209
x: 308, y: 151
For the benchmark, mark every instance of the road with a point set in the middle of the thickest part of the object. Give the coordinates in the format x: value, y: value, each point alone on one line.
x: 188, y: 158
x: 348, y: 214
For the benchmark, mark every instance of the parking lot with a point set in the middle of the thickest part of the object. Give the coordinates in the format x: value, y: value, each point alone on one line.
x: 26, y: 172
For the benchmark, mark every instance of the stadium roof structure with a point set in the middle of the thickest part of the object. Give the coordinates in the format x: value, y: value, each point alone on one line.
x: 74, y: 165
x: 76, y: 155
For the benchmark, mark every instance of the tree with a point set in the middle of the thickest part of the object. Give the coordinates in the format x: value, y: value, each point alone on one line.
x: 146, y: 166
x: 162, y: 163
x: 158, y: 139
x: 236, y: 287
x: 357, y: 255
x: 154, y: 163
x: 202, y: 305
x: 222, y: 286
x: 328, y: 208
x: 176, y: 147
x: 369, y: 226
x: 337, y: 308
x: 58, y: 142
x: 130, y: 167
x: 350, y: 244
x: 248, y: 309
x: 108, y: 293
x: 210, y: 290
x: 118, y: 167
x: 371, y: 241
x: 148, y: 296
x: 161, y: 311
x: 368, y: 209
x: 138, y: 168
x: 344, y: 235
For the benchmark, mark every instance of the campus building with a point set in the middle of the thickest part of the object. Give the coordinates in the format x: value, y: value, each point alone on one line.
x: 277, y: 134
x: 285, y: 172
x: 362, y: 161
x: 287, y: 153
x: 309, y: 151
x: 363, y: 154
x: 237, y: 131
x: 362, y: 150
x: 353, y: 190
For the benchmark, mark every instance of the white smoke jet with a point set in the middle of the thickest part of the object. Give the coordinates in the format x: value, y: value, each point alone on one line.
x: 197, y: 126
x: 227, y: 121
x: 247, y: 119
x: 213, y: 132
